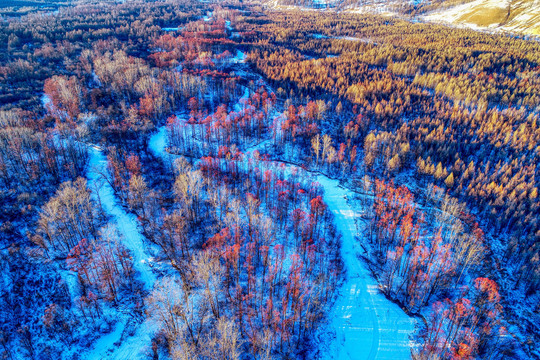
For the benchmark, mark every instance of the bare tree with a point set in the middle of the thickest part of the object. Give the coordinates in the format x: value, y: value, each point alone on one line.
x: 209, y: 275
x: 180, y: 312
x: 68, y: 217
x: 224, y: 341
x: 316, y: 146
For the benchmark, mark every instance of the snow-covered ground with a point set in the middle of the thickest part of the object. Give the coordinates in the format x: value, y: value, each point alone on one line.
x: 480, y: 15
x: 349, y: 38
x: 158, y: 143
x: 121, y: 343
x: 46, y: 101
x: 505, y: 15
x: 126, y: 223
x: 242, y: 103
x: 453, y: 15
x: 368, y: 325
x: 239, y: 58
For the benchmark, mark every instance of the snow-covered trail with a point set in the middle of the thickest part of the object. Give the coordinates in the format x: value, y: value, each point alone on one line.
x: 158, y: 143
x: 126, y: 223
x: 116, y: 344
x: 368, y: 326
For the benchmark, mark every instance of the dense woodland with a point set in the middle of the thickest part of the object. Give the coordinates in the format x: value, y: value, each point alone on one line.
x: 486, y: 139
x: 432, y: 130
x: 457, y: 107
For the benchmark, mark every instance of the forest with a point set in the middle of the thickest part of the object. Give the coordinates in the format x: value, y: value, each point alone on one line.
x: 228, y: 180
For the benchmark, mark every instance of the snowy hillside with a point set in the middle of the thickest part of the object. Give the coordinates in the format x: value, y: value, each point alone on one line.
x: 312, y: 4
x: 509, y: 15
x: 522, y: 16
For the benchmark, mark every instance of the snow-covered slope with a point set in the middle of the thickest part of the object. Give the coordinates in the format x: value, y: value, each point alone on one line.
x: 521, y: 16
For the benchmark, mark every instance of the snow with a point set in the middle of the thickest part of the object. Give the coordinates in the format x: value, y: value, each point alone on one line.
x: 380, y: 8
x: 126, y: 223
x: 239, y: 58
x: 131, y: 348
x: 102, y: 345
x: 525, y: 15
x: 96, y: 78
x: 170, y: 29
x: 70, y: 277
x: 158, y: 143
x: 46, y: 101
x: 320, y: 36
x: 349, y: 38
x: 453, y: 15
x: 368, y: 325
x: 114, y: 345
x: 241, y: 104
